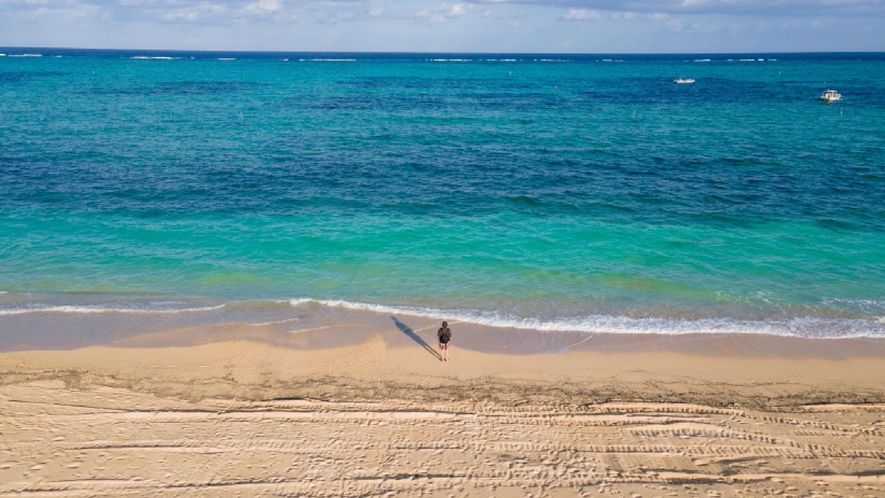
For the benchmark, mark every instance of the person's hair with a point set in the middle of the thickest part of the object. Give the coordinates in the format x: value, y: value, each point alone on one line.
x: 445, y: 324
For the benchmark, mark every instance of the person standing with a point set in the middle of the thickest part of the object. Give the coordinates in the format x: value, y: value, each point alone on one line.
x: 445, y: 335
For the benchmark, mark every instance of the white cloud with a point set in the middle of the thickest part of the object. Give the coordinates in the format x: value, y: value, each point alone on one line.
x: 182, y: 15
x: 581, y: 15
x: 192, y: 13
x: 443, y: 12
x: 839, y: 8
x: 627, y: 16
x: 457, y: 10
x: 262, y: 7
x: 745, y: 25
x: 270, y: 5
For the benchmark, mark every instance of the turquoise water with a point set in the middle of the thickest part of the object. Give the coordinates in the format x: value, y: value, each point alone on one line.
x: 550, y: 192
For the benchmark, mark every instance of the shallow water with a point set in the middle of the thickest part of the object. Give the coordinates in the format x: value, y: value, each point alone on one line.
x: 566, y: 194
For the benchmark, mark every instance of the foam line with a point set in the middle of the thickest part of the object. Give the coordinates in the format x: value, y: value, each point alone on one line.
x: 277, y: 322
x: 805, y: 327
x: 93, y: 309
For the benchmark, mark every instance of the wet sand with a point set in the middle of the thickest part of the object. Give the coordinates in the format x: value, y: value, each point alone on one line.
x: 364, y: 409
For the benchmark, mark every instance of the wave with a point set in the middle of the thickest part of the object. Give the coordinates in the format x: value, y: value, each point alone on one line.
x: 98, y: 309
x: 869, y: 325
x: 25, y: 55
x: 800, y: 326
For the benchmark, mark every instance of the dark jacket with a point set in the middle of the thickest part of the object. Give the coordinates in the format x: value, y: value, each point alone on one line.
x: 445, y: 335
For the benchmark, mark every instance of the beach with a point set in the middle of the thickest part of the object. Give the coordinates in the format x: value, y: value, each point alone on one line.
x: 366, y: 410
x: 222, y: 273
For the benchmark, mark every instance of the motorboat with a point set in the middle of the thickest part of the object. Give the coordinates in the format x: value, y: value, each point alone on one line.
x: 831, y: 96
x: 683, y: 81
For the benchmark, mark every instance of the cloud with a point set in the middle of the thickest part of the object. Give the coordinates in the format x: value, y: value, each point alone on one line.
x: 444, y: 12
x: 324, y: 12
x: 225, y: 12
x: 217, y: 12
x: 459, y: 9
x: 627, y: 16
x: 465, y: 25
x: 581, y: 15
x: 192, y: 13
x: 838, y: 8
x: 270, y: 5
x: 263, y: 7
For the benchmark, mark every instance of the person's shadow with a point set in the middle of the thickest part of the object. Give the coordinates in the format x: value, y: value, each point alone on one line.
x: 415, y: 337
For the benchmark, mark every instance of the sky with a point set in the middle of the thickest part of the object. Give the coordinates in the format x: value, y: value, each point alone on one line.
x: 491, y: 26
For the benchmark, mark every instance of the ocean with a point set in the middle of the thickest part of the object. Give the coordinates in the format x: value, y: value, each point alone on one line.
x: 573, y: 193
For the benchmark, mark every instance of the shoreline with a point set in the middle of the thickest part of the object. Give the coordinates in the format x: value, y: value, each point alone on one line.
x: 769, y: 373
x: 323, y: 326
x: 65, y: 322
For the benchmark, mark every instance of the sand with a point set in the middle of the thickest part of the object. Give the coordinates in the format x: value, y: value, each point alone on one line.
x: 375, y: 413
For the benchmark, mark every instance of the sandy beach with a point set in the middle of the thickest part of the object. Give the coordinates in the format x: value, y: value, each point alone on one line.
x: 368, y: 410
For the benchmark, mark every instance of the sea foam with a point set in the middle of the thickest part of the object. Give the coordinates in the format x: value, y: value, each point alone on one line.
x: 802, y: 326
x: 99, y: 309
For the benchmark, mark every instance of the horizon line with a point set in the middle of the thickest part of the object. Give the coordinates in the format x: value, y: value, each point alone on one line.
x: 404, y: 52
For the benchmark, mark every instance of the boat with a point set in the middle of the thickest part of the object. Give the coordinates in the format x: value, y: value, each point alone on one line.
x: 683, y: 81
x: 830, y: 96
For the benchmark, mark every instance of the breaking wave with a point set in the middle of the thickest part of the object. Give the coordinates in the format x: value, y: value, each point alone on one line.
x: 99, y: 309
x: 799, y: 326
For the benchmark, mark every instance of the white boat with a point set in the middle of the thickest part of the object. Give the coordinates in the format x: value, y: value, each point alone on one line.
x: 830, y: 96
x: 683, y: 81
